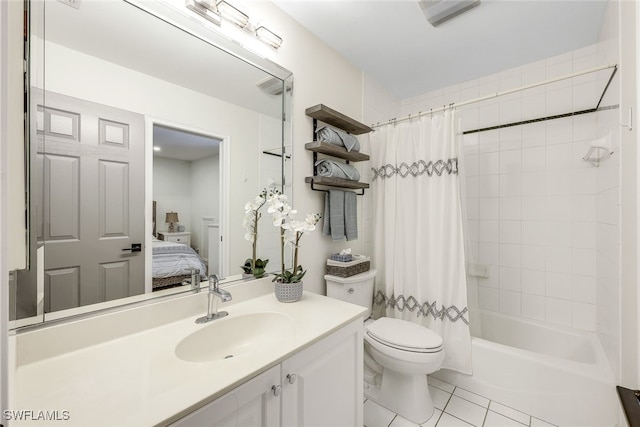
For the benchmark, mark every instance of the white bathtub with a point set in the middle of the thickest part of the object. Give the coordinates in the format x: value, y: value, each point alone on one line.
x: 555, y: 374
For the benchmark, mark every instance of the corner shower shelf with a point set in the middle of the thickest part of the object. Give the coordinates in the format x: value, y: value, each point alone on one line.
x: 334, y: 118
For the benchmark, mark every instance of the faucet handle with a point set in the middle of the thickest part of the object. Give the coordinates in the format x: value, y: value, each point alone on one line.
x: 213, y: 282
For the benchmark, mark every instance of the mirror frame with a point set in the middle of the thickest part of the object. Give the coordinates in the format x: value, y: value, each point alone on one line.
x: 184, y: 20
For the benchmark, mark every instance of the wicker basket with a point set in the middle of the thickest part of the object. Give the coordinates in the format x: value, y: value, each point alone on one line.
x: 288, y: 292
x: 351, y: 270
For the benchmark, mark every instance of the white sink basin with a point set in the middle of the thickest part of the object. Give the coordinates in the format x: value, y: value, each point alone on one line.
x: 235, y: 336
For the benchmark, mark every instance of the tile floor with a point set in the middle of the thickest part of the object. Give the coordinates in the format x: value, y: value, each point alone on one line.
x: 455, y: 407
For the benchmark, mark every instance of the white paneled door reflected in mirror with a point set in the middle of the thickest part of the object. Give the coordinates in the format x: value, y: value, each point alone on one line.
x: 146, y: 139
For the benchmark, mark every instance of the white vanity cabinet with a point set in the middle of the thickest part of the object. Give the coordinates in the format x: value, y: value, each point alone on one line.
x: 322, y: 384
x: 318, y: 386
x: 255, y: 403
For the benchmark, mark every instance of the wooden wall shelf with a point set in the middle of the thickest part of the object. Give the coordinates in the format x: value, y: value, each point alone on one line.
x: 337, y: 119
x: 334, y: 118
x: 335, y: 182
x: 336, y: 151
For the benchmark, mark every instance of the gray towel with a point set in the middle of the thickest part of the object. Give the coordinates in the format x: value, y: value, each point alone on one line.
x: 333, y: 169
x: 351, y: 215
x: 338, y: 137
x: 334, y: 215
x: 340, y: 215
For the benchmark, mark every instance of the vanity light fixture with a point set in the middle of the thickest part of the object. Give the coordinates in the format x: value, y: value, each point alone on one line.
x: 269, y: 37
x: 206, y: 9
x: 232, y: 14
x: 217, y: 10
x: 172, y: 219
x: 157, y: 148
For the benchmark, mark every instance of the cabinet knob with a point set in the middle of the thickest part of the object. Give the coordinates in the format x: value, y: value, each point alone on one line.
x: 277, y: 390
x: 292, y: 378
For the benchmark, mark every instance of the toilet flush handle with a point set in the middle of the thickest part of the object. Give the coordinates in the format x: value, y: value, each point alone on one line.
x: 351, y: 290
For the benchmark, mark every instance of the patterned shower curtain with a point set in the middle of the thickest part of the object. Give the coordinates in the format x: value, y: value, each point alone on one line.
x: 418, y: 230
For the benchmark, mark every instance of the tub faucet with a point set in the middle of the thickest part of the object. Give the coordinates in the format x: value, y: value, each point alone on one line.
x: 215, y: 293
x: 196, y: 278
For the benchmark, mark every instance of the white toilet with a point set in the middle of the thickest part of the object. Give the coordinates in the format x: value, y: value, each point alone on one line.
x: 403, y: 353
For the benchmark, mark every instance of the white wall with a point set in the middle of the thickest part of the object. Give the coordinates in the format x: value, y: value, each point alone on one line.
x: 628, y: 308
x: 205, y: 199
x: 189, y: 188
x: 607, y: 212
x: 320, y: 76
x: 172, y: 191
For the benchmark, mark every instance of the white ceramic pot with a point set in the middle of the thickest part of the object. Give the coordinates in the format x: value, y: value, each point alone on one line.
x: 288, y: 292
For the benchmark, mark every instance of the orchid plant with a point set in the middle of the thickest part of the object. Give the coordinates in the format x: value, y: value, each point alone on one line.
x: 252, y: 215
x: 291, y: 231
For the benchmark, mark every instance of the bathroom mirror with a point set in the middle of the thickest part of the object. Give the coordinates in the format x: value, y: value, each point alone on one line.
x: 109, y: 81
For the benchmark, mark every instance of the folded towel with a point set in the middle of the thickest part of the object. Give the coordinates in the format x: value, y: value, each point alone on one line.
x: 350, y: 215
x: 333, y: 169
x: 338, y: 137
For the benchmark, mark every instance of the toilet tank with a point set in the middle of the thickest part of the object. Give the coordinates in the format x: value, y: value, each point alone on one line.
x: 357, y: 289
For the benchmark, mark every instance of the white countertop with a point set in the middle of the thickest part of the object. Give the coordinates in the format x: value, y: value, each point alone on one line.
x: 137, y: 380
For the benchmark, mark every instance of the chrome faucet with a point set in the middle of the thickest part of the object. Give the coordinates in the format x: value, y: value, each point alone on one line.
x: 196, y: 278
x: 212, y: 308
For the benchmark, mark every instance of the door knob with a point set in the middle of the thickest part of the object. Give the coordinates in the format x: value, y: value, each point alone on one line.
x: 135, y: 247
x: 292, y: 378
x: 277, y: 390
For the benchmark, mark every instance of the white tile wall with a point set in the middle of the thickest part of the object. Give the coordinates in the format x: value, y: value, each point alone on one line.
x: 534, y: 205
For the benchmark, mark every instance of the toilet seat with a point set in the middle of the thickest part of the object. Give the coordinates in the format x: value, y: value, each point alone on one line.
x: 404, y: 335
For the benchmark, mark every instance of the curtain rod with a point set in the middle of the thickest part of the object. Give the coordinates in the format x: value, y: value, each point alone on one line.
x: 497, y: 94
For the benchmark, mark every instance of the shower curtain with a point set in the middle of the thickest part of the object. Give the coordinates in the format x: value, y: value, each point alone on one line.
x: 418, y: 230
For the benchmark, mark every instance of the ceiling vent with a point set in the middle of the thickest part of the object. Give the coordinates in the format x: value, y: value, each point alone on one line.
x: 439, y: 11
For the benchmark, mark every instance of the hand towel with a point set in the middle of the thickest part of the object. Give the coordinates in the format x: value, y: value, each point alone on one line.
x: 351, y: 215
x: 334, y: 215
x: 333, y: 169
x: 340, y: 215
x: 338, y: 137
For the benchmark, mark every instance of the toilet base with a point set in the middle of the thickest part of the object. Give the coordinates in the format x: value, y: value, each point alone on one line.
x: 406, y: 395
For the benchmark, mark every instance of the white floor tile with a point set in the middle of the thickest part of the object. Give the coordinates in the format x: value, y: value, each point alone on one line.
x: 465, y: 410
x: 539, y: 423
x: 440, y: 398
x: 447, y: 420
x: 496, y: 420
x: 377, y: 416
x: 472, y: 397
x: 440, y: 384
x: 434, y: 419
x: 510, y: 413
x: 402, y: 422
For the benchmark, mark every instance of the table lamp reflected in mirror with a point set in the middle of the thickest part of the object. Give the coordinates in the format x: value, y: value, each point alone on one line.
x: 172, y: 219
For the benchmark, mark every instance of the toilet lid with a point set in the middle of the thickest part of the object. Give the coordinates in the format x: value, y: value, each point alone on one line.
x: 404, y: 335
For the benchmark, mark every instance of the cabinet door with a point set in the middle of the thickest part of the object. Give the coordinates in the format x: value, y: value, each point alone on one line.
x: 253, y: 404
x: 322, y: 385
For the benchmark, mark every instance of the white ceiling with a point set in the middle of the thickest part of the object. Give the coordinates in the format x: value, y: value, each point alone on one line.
x: 182, y: 145
x: 392, y: 42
